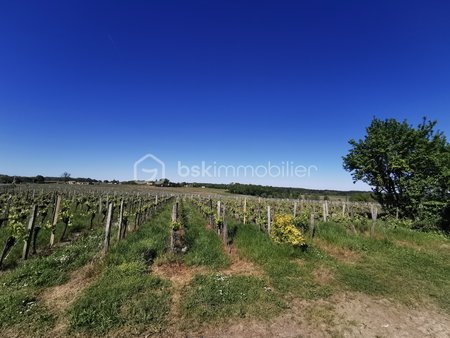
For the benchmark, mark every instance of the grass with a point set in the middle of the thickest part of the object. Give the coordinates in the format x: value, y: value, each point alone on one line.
x: 80, y: 224
x: 133, y: 298
x: 414, y: 270
x: 290, y: 270
x: 21, y: 308
x: 204, y: 246
x: 397, y: 263
x: 217, y: 297
x: 141, y: 301
x: 125, y: 293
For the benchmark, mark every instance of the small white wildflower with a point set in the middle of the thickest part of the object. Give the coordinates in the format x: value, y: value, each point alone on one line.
x: 220, y: 278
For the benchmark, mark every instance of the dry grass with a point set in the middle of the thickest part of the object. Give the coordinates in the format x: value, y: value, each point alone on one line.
x: 343, y: 254
x: 60, y: 297
x: 323, y: 275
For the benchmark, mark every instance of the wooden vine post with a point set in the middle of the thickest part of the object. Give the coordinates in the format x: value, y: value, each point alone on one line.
x: 259, y: 213
x: 374, y: 214
x: 245, y: 210
x: 312, y: 230
x: 30, y: 230
x: 295, y: 209
x: 108, y: 228
x: 218, y: 209
x: 325, y: 210
x: 224, y: 227
x: 119, y: 233
x: 269, y: 220
x: 137, y: 216
x: 219, y: 214
x: 36, y: 231
x: 172, y: 231
x: 55, y: 219
x: 100, y: 205
x: 211, y: 213
x: 140, y: 213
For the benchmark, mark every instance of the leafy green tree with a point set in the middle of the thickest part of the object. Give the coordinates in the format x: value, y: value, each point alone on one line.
x: 405, y: 166
x: 39, y: 179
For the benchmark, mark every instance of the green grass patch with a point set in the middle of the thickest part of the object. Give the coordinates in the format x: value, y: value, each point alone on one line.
x: 205, y: 248
x: 218, y: 297
x: 80, y: 225
x: 403, y: 264
x: 126, y: 294
x: 290, y: 269
x: 20, y: 305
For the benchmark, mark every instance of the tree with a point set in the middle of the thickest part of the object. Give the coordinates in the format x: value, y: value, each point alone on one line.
x: 65, y: 176
x: 39, y: 179
x: 405, y: 166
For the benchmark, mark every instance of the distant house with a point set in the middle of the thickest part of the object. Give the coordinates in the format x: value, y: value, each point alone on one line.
x: 163, y: 182
x: 78, y: 183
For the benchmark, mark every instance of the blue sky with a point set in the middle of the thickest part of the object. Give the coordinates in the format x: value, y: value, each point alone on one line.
x: 90, y: 87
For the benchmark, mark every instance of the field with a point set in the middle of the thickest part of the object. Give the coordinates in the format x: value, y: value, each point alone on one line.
x: 189, y: 267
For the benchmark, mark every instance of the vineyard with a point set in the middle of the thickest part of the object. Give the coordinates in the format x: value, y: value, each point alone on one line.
x: 117, y: 261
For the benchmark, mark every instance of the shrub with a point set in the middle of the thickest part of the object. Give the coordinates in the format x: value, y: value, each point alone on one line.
x: 284, y: 231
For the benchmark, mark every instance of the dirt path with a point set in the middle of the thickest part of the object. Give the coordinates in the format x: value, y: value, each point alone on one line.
x: 60, y: 297
x: 180, y: 275
x: 344, y: 315
x: 241, y: 266
x: 384, y: 318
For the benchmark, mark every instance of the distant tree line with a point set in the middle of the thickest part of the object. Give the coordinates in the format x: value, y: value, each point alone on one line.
x: 6, y: 179
x: 234, y: 188
x: 284, y: 192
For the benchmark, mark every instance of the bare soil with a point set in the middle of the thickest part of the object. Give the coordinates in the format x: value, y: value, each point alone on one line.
x: 342, y: 254
x: 344, y: 315
x: 384, y: 318
x: 240, y: 266
x: 180, y: 275
x: 58, y: 298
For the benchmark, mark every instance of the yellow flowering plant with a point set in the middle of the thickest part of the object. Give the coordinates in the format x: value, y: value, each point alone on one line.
x: 284, y: 231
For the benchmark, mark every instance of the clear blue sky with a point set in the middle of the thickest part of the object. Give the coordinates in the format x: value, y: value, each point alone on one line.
x: 91, y: 86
